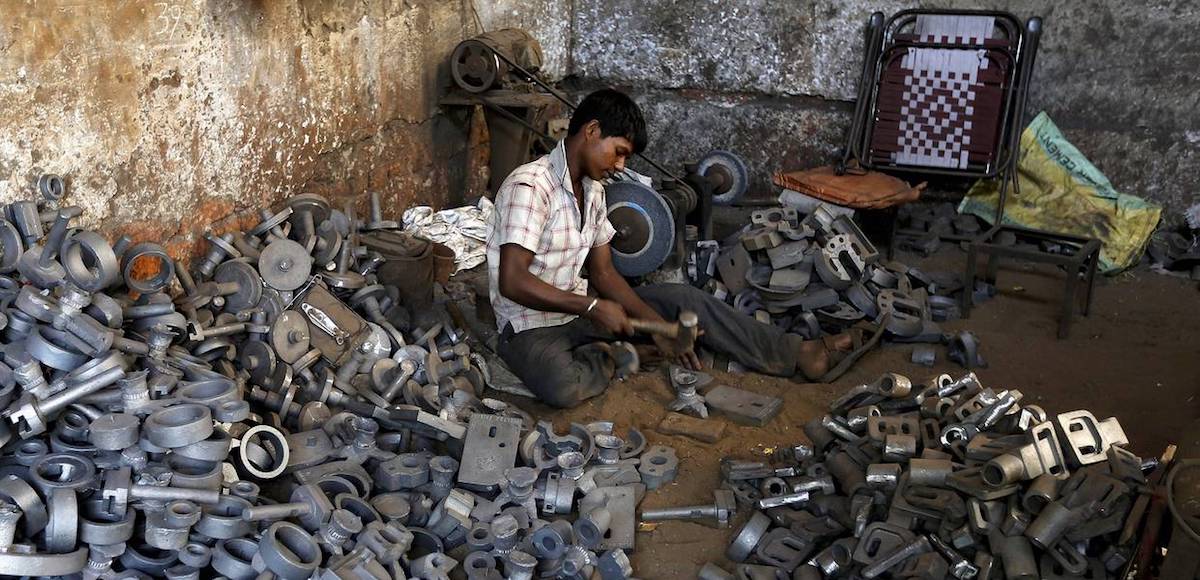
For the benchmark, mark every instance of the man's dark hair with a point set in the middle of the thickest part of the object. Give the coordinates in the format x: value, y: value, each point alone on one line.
x: 617, y: 114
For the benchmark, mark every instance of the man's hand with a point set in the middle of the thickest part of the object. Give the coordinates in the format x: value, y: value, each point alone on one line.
x: 610, y: 316
x: 669, y: 350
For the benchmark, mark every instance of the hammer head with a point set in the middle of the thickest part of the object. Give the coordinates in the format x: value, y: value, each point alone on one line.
x: 688, y: 331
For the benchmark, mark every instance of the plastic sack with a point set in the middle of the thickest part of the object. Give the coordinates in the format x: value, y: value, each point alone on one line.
x: 1061, y: 191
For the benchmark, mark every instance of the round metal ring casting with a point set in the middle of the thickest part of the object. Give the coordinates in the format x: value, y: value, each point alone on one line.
x: 147, y: 258
x: 89, y: 261
x: 280, y: 457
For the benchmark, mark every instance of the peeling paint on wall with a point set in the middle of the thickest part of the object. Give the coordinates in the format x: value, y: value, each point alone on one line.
x: 168, y: 118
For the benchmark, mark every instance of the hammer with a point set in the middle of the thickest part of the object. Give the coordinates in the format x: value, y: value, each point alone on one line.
x: 684, y: 332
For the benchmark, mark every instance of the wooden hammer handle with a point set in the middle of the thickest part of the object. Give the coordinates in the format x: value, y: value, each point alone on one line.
x: 667, y: 329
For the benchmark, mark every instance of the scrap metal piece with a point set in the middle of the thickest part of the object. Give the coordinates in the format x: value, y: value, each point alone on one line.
x: 659, y: 466
x: 879, y: 540
x: 619, y: 503
x: 783, y: 549
x: 686, y: 383
x: 489, y: 449
x: 964, y: 350
x: 284, y: 265
x: 742, y: 406
x: 789, y: 254
x: 1044, y: 455
x: 748, y: 537
x: 1087, y: 440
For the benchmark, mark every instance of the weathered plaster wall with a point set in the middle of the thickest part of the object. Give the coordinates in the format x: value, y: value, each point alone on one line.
x: 169, y: 118
x: 774, y: 79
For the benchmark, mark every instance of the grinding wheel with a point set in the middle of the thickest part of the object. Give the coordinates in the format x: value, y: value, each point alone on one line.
x: 645, y: 227
x: 728, y: 174
x: 284, y: 265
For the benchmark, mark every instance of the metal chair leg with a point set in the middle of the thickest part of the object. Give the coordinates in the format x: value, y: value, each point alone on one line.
x: 1091, y: 282
x: 993, y: 269
x: 1069, y: 298
x: 968, y: 291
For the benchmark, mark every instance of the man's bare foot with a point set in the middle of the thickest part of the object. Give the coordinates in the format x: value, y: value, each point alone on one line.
x: 815, y: 357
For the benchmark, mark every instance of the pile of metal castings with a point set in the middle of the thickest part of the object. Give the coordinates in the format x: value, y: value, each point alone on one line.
x: 270, y: 415
x: 948, y: 479
x: 821, y: 274
x: 922, y: 227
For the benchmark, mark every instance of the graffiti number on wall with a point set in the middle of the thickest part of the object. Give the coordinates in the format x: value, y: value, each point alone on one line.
x: 169, y: 15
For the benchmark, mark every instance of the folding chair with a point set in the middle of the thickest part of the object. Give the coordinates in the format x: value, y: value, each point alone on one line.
x: 943, y: 92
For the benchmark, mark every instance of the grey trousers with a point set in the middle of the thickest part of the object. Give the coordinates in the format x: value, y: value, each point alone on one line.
x: 564, y: 365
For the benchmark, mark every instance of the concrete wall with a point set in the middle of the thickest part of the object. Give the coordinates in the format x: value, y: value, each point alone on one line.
x: 169, y: 118
x: 774, y: 80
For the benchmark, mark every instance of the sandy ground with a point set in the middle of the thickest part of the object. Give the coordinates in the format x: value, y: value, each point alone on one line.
x: 1136, y: 358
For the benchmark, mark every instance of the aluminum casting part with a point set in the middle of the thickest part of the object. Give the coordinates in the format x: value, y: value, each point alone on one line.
x: 405, y: 471
x: 1041, y: 492
x: 1015, y: 553
x: 614, y: 565
x: 480, y: 565
x: 223, y: 520
x: 213, y: 449
x: 195, y: 555
x: 558, y: 495
x: 659, y: 465
x: 552, y: 540
x: 748, y: 536
x: 883, y: 475
x: 856, y: 418
x: 885, y: 563
x: 1087, y: 440
x: 1051, y: 524
x: 1044, y: 455
x: 41, y: 346
x: 276, y: 442
x: 195, y: 474
x: 62, y: 529
x: 834, y: 559
x: 232, y: 558
x: 42, y: 565
x: 17, y: 491
x: 289, y: 551
x: 782, y: 500
x: 114, y: 431
x: 590, y: 527
x: 89, y: 261
x: 11, y: 246
x: 284, y: 265
x: 37, y: 263
x: 290, y: 336
x: 571, y: 464
x: 29, y: 416
x: 62, y: 471
x: 178, y: 425
x: 147, y: 258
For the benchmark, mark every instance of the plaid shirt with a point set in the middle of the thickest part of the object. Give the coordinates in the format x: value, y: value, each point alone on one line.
x: 536, y: 209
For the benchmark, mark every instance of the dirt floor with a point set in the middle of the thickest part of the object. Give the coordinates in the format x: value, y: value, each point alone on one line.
x: 1135, y: 357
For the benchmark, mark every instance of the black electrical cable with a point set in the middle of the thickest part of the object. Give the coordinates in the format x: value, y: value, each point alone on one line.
x: 1181, y: 521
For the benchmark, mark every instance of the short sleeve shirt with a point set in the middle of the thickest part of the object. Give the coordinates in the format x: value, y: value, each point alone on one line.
x: 536, y: 209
